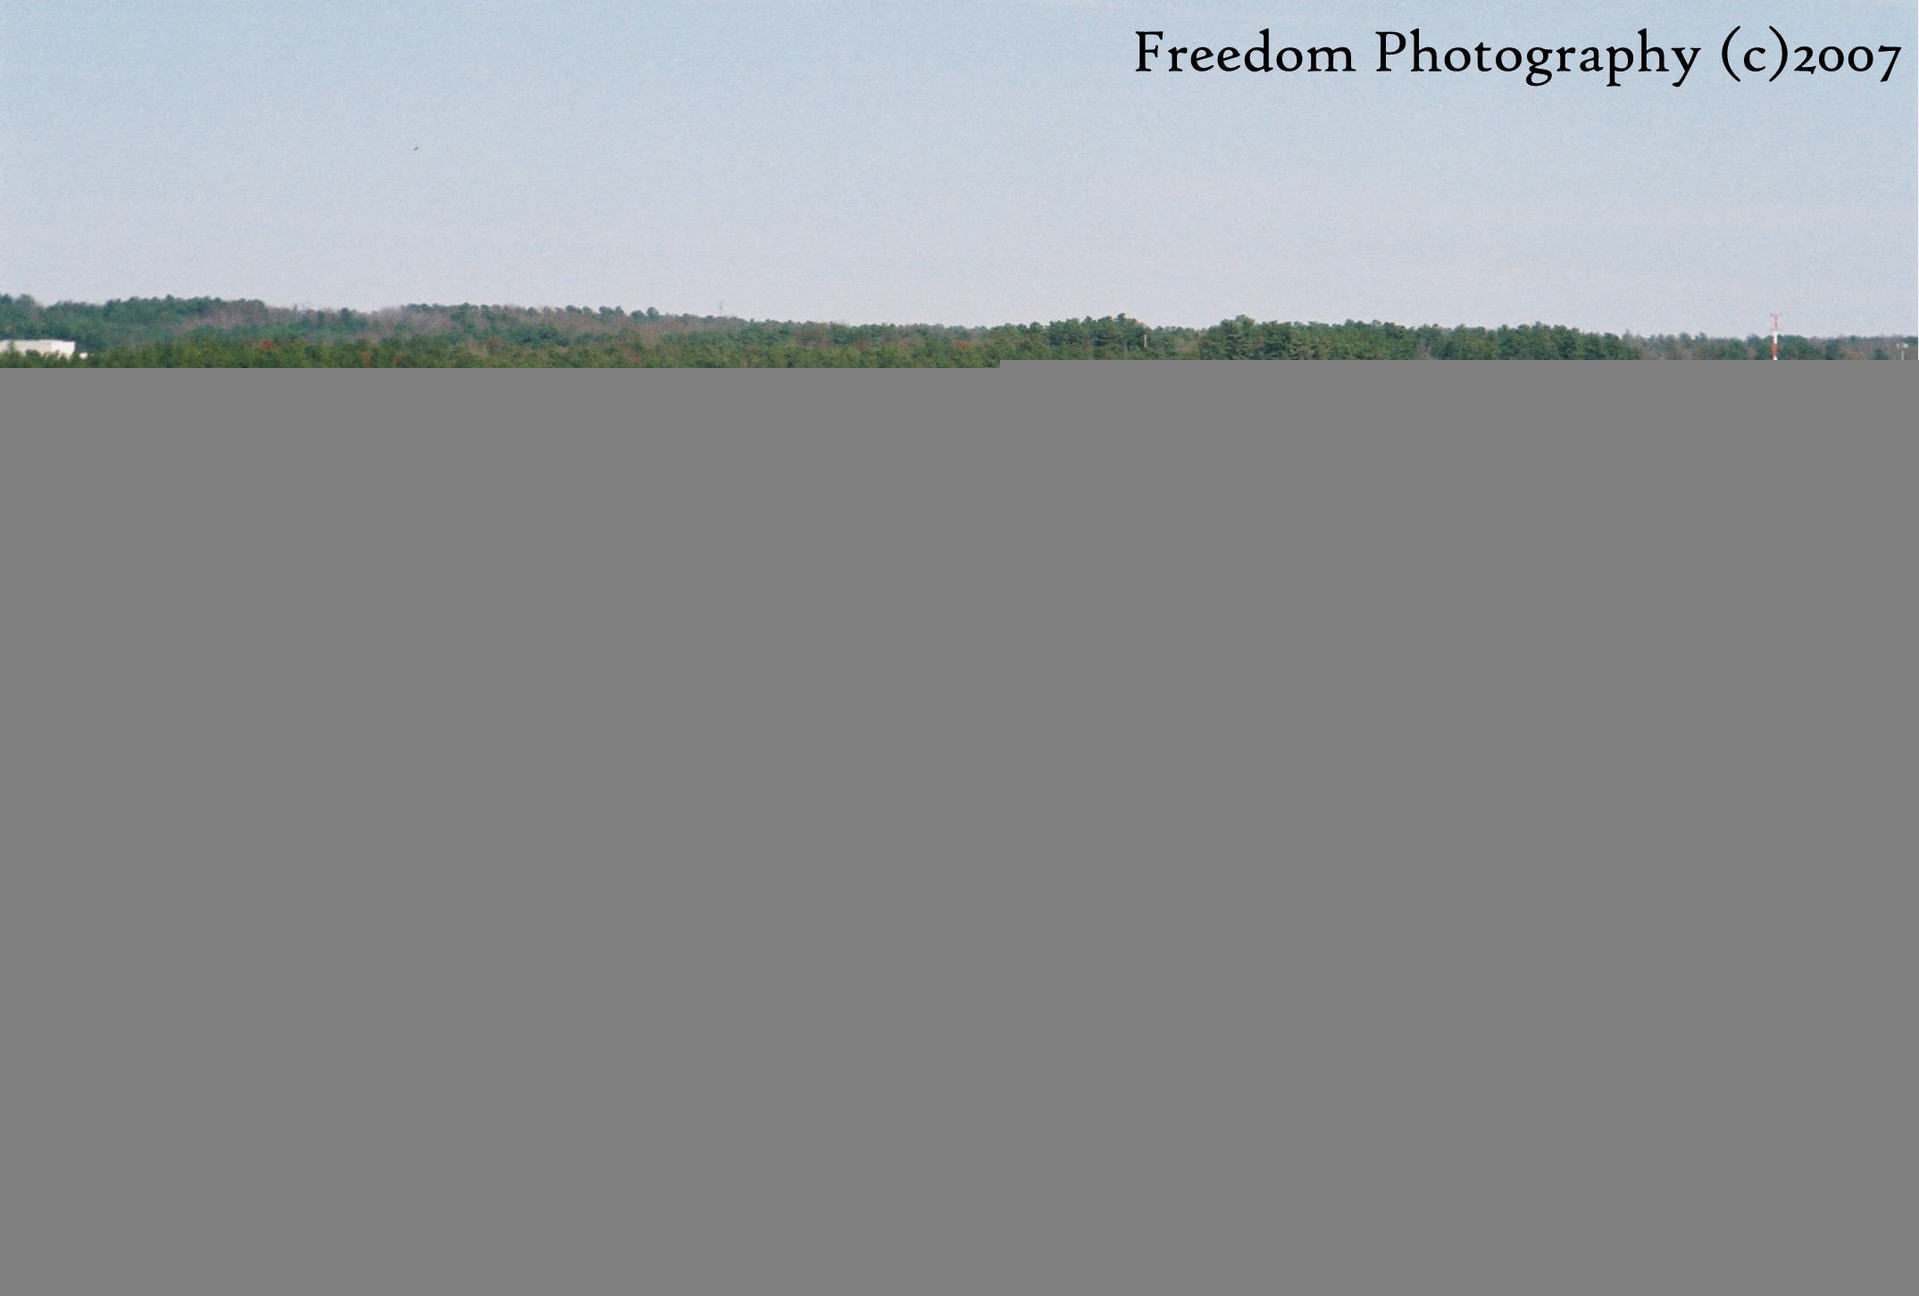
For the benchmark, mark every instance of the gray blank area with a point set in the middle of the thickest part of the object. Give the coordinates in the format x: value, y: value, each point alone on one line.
x: 1161, y: 830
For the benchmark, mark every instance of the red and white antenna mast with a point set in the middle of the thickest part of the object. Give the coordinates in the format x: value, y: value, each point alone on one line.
x: 1775, y: 335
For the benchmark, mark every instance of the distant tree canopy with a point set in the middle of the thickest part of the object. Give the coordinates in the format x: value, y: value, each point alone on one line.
x: 209, y: 332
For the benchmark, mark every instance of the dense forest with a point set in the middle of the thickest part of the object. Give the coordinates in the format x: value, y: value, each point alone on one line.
x: 209, y: 332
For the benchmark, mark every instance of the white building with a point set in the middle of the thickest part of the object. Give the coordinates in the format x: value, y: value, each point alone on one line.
x: 40, y: 346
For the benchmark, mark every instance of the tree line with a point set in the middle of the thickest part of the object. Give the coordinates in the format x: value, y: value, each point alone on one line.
x: 209, y: 332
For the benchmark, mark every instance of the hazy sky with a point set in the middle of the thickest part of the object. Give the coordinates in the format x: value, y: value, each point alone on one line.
x: 959, y: 161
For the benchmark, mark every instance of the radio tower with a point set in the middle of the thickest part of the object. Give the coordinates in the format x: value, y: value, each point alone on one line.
x: 1775, y: 335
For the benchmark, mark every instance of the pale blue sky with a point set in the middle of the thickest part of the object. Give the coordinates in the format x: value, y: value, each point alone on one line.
x: 965, y: 162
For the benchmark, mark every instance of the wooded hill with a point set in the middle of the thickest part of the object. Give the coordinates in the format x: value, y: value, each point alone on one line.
x: 209, y: 332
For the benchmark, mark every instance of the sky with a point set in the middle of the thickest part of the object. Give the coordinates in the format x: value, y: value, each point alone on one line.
x: 957, y: 161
